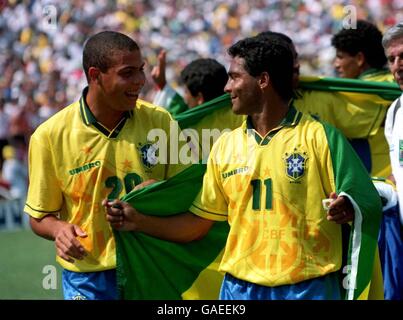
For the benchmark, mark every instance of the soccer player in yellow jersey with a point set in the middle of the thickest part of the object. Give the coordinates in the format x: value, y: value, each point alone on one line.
x: 268, y: 179
x: 360, y: 55
x: 93, y: 149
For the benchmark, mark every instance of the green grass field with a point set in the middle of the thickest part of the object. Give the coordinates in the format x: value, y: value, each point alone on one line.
x: 23, y: 257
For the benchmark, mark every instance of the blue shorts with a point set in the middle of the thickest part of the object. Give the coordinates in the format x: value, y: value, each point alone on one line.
x: 322, y: 288
x: 99, y: 285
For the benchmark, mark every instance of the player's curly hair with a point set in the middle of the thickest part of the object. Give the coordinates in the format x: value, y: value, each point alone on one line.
x: 274, y: 57
x: 206, y: 76
x: 99, y: 48
x: 366, y: 38
x: 270, y: 35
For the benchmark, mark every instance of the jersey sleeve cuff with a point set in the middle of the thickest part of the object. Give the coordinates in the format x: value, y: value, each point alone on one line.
x: 38, y: 214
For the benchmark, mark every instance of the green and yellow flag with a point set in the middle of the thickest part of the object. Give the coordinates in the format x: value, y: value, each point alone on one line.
x: 355, y: 107
x: 358, y: 109
x: 150, y: 268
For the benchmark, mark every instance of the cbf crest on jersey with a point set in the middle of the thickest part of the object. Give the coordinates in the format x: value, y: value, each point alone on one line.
x: 149, y: 154
x: 295, y: 163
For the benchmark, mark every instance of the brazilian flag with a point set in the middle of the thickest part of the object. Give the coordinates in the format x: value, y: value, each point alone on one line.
x: 150, y: 268
x: 358, y: 109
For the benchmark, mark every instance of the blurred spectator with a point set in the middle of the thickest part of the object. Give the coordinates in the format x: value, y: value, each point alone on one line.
x: 4, y: 188
x: 14, y: 171
x: 4, y: 130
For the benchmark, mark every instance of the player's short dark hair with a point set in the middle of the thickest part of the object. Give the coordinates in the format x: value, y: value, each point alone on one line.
x: 365, y: 38
x: 272, y: 35
x: 269, y: 35
x: 274, y: 57
x: 207, y: 76
x: 99, y: 49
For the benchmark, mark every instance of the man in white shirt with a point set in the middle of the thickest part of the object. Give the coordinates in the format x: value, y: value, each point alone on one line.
x: 392, y: 42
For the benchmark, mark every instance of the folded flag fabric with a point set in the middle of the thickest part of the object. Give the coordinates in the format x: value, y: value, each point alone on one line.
x: 355, y: 107
x: 356, y: 110
x: 150, y: 268
x: 385, y: 90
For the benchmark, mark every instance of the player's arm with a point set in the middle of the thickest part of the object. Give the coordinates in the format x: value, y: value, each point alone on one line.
x: 181, y: 228
x: 63, y: 233
x: 166, y: 96
x: 158, y: 72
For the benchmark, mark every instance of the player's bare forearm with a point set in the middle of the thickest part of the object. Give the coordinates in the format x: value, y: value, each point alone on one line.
x: 64, y: 235
x: 158, y: 72
x: 182, y: 228
x: 45, y: 227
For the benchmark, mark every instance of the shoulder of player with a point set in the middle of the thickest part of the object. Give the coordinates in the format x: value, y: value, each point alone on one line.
x: 315, y: 126
x: 306, y: 118
x: 145, y: 107
x: 56, y: 121
x: 228, y: 137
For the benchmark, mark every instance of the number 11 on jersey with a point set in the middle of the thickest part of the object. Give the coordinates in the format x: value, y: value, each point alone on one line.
x: 257, y: 191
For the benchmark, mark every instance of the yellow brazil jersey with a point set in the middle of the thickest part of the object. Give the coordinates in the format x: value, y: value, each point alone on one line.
x: 270, y: 189
x: 75, y: 162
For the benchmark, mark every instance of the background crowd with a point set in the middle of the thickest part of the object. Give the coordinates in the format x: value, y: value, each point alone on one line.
x: 41, y: 44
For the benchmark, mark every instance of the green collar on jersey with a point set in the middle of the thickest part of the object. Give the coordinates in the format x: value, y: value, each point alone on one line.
x: 89, y: 118
x: 291, y: 119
